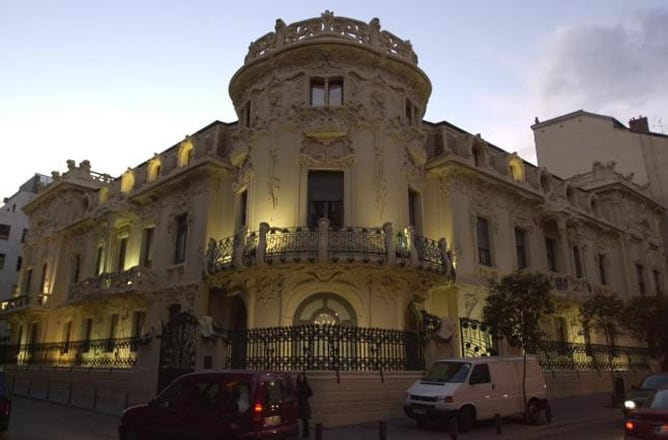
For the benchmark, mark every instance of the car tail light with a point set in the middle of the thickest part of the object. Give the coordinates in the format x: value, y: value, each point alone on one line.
x: 629, y: 425
x: 257, y: 412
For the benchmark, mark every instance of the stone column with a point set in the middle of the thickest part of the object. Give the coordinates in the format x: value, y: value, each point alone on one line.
x: 323, y: 239
x: 261, y: 244
x: 390, y: 251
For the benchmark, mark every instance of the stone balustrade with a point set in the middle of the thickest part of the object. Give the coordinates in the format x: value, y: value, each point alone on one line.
x: 330, y: 26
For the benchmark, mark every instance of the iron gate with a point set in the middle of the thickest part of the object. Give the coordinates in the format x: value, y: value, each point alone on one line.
x: 477, y: 339
x: 178, y: 347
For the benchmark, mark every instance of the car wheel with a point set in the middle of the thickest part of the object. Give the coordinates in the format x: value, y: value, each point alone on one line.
x: 533, y: 412
x: 466, y: 419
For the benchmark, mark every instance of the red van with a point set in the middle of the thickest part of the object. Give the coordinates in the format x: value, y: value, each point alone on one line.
x: 229, y: 404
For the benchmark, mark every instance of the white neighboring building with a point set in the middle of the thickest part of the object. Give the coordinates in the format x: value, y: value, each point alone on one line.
x: 13, y: 227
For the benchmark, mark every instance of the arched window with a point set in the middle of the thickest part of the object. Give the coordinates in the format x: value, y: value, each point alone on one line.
x: 325, y: 309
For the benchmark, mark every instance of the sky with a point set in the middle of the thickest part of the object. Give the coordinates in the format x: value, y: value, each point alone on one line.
x: 115, y: 81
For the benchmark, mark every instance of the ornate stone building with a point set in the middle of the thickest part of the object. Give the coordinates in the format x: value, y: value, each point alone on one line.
x: 329, y: 202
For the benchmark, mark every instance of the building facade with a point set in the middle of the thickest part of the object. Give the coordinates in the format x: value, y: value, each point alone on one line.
x: 329, y: 204
x: 13, y: 230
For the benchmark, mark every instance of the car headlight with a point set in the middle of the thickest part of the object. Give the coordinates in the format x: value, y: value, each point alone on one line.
x: 444, y: 399
x: 629, y: 404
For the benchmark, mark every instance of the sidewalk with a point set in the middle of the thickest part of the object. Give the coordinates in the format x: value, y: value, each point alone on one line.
x: 567, y: 412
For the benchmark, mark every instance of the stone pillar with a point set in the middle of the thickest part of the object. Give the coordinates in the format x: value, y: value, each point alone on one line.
x: 390, y: 251
x: 410, y: 236
x: 238, y: 251
x: 563, y: 247
x: 261, y: 244
x: 323, y: 239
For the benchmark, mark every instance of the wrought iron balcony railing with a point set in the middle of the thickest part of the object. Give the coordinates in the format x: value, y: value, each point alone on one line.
x: 112, y: 282
x: 96, y: 353
x: 23, y: 301
x: 272, y: 245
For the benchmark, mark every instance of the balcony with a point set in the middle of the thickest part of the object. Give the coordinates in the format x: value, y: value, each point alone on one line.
x: 24, y: 301
x: 374, y: 245
x: 113, y: 282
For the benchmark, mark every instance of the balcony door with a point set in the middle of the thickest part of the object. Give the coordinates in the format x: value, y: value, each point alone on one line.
x: 325, y: 197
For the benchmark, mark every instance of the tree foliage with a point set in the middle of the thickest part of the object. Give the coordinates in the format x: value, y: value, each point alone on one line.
x: 516, y: 305
x: 600, y: 312
x: 646, y: 319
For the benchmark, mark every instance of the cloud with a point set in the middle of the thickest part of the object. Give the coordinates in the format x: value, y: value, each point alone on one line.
x: 619, y: 70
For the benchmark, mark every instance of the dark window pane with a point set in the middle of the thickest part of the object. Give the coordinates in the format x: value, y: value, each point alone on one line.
x: 336, y: 92
x: 317, y: 92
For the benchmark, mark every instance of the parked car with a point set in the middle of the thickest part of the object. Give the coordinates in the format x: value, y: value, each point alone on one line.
x: 650, y: 420
x: 228, y: 404
x: 476, y: 389
x: 5, y: 402
x: 648, y: 385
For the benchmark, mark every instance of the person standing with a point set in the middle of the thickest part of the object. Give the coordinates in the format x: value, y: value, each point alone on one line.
x: 304, y: 392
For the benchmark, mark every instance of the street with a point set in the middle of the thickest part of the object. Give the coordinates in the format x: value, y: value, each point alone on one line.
x: 575, y: 418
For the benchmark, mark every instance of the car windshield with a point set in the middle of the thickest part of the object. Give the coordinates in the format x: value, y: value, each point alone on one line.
x: 654, y: 382
x: 448, y: 372
x: 660, y: 400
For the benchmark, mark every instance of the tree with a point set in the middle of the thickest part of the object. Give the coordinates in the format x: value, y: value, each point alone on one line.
x: 515, y: 308
x: 645, y: 319
x: 601, y: 312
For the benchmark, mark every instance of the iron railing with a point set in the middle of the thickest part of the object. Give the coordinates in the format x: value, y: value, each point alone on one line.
x: 110, y: 282
x: 95, y: 353
x: 273, y: 245
x: 554, y: 356
x: 325, y: 347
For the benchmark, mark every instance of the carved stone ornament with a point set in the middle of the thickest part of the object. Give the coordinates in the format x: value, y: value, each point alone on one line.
x: 269, y: 288
x: 244, y: 173
x: 414, y: 138
x: 331, y: 153
x: 326, y: 123
x: 243, y: 138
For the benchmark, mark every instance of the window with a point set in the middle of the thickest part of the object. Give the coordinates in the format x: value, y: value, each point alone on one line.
x: 24, y: 234
x: 246, y: 114
x: 521, y: 248
x: 2, y: 261
x: 67, y: 336
x: 640, y: 275
x: 138, y: 327
x: 480, y: 374
x: 657, y: 281
x: 42, y: 282
x: 76, y: 272
x: 99, y: 260
x: 4, y: 232
x: 551, y: 254
x: 147, y: 247
x: 325, y: 197
x: 181, y: 238
x: 560, y: 329
x: 414, y: 218
x: 243, y: 208
x: 484, y: 249
x: 578, y: 262
x: 122, y: 250
x: 326, y: 91
x: 19, y: 263
x: 113, y: 330
x: 27, y: 282
x: 602, y: 271
x: 87, y: 332
x: 412, y: 113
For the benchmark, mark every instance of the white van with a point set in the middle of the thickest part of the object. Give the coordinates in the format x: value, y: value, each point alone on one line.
x: 476, y: 389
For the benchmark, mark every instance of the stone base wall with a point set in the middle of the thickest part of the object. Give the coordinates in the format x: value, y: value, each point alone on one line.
x: 352, y: 398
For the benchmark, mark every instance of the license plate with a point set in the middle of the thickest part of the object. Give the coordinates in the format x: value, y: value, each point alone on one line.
x: 419, y: 411
x: 272, y: 420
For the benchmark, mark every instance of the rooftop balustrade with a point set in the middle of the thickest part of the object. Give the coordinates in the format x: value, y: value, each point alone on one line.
x: 367, y: 245
x: 329, y: 26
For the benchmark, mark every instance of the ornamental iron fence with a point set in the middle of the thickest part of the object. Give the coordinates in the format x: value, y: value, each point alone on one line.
x: 324, y: 347
x: 94, y: 353
x: 554, y: 356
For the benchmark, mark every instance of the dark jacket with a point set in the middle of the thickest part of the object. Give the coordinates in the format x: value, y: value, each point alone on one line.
x: 303, y: 392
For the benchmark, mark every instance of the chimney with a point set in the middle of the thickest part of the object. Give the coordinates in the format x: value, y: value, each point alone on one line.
x: 639, y: 124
